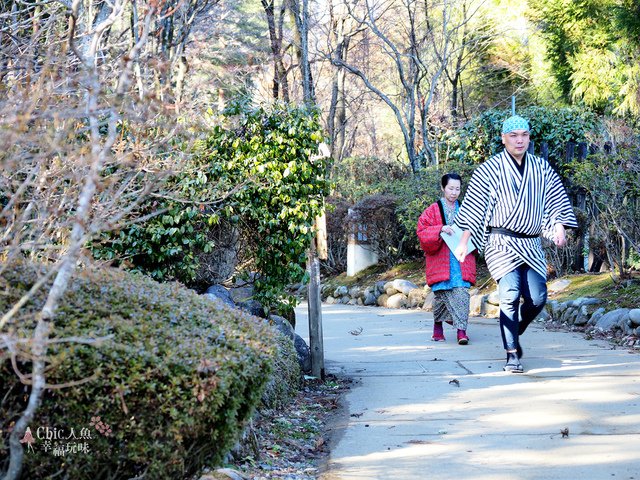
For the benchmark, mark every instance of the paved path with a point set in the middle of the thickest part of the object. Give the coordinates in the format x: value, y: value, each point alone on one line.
x: 409, y: 419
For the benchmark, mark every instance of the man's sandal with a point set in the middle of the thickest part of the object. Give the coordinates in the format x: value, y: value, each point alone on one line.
x: 513, y: 368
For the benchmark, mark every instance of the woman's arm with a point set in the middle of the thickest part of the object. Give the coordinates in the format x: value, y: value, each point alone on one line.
x: 428, y: 230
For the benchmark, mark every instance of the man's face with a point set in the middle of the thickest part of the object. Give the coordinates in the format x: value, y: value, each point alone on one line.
x: 516, y: 142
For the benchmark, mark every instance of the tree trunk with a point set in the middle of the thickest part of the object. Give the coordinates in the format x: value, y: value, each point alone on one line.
x: 337, y: 120
x: 301, y: 39
x: 280, y: 87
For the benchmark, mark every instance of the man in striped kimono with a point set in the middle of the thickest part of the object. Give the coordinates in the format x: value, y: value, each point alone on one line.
x: 512, y: 199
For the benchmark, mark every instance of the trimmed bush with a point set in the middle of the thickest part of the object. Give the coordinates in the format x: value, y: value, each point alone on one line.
x: 174, y: 383
x: 287, y: 378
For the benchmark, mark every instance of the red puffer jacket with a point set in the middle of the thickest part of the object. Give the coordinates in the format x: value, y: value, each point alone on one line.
x: 436, y: 252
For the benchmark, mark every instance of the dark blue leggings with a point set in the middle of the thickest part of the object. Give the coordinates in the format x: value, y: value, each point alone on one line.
x: 515, y: 318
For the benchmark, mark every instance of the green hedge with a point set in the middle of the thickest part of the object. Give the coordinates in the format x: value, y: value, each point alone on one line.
x: 175, y: 383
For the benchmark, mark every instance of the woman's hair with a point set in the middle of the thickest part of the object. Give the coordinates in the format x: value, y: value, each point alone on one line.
x: 449, y: 176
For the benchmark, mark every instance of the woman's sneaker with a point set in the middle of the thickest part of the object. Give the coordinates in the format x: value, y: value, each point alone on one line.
x: 462, y: 337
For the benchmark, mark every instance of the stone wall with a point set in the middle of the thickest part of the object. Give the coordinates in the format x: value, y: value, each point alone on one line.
x: 401, y: 293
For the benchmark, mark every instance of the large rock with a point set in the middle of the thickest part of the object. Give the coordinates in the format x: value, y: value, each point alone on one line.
x: 326, y: 290
x: 242, y: 290
x: 304, y: 354
x: 355, y: 292
x: 475, y: 304
x: 558, y: 285
x: 582, y: 316
x: 382, y: 300
x: 543, y: 316
x: 569, y: 315
x: 369, y: 298
x: 586, y: 301
x: 399, y: 300
x: 490, y: 311
x: 493, y: 298
x: 552, y: 308
x: 220, y: 294
x: 627, y: 327
x: 557, y: 309
x: 340, y: 291
x: 428, y: 301
x: 634, y: 316
x: 254, y: 307
x: 595, y: 316
x: 613, y: 319
x: 283, y: 325
x: 404, y: 286
x: 416, y: 297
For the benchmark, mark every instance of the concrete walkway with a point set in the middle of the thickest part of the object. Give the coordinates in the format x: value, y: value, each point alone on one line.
x: 426, y: 410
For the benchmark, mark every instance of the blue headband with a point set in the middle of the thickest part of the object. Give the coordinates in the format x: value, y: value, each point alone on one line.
x: 514, y: 123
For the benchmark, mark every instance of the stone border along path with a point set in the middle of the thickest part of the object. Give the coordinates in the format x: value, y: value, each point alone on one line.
x: 425, y: 410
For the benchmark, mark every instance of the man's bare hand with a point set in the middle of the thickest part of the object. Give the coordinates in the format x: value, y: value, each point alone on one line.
x: 447, y: 229
x: 560, y: 236
x: 461, y: 251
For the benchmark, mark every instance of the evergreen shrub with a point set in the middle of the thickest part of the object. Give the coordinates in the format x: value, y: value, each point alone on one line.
x: 256, y: 172
x: 481, y: 138
x: 175, y: 380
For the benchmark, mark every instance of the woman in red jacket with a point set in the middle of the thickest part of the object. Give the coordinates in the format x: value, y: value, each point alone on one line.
x: 449, y: 280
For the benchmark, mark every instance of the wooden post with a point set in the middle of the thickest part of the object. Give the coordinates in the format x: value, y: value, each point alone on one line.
x: 316, y: 345
x: 317, y: 250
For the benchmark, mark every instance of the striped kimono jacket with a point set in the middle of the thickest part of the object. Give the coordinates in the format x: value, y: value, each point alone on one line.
x: 531, y: 203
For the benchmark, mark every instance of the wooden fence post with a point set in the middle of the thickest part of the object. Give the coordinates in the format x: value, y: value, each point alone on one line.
x: 316, y: 344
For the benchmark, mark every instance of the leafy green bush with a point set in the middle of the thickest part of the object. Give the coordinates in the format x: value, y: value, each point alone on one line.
x: 480, y: 138
x: 175, y: 380
x: 272, y: 153
x: 256, y: 172
x: 610, y: 182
